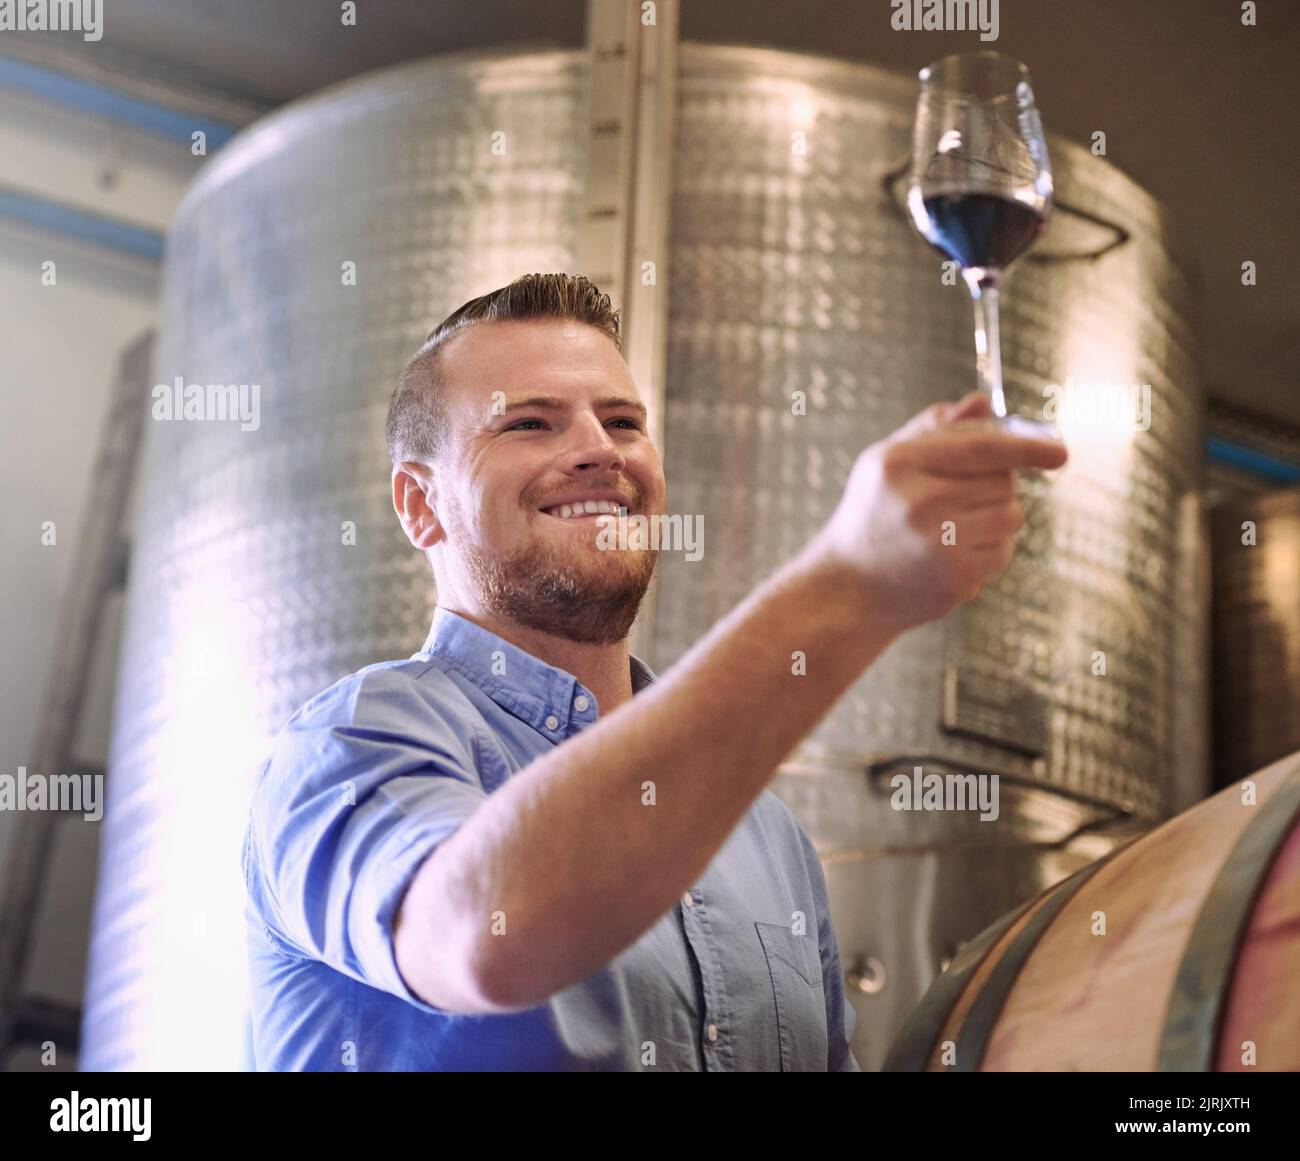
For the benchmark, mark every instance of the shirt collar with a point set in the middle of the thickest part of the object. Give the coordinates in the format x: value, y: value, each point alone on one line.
x: 550, y: 699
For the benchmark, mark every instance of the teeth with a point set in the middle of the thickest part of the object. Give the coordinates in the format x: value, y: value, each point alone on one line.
x: 583, y: 508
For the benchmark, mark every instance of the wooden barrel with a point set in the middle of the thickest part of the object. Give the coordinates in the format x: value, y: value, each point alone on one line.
x: 1178, y: 952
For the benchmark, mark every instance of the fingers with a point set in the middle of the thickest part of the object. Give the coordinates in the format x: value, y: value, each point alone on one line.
x: 965, y: 495
x: 976, y: 512
x: 972, y: 406
x: 988, y: 562
x: 976, y: 405
x: 941, y: 440
x: 931, y: 419
x: 954, y: 451
x: 989, y: 527
x: 952, y: 495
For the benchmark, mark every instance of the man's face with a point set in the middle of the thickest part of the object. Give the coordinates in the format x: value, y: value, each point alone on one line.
x: 508, y: 460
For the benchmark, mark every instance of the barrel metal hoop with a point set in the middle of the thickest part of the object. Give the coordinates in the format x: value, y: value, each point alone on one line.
x: 973, y: 1039
x: 1190, y: 1037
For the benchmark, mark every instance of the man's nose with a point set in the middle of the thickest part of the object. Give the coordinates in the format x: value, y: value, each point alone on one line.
x: 592, y: 444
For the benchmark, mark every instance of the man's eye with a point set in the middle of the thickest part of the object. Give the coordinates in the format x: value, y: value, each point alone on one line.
x: 632, y: 423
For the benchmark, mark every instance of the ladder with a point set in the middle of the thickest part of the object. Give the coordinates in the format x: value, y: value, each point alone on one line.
x: 99, y: 568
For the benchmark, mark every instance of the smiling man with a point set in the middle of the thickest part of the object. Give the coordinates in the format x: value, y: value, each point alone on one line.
x: 509, y: 441
x: 519, y: 848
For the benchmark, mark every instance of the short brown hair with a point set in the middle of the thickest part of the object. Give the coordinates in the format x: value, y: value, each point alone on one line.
x: 417, y: 427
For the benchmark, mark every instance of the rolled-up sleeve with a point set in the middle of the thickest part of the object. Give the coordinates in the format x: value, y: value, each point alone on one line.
x: 362, y: 785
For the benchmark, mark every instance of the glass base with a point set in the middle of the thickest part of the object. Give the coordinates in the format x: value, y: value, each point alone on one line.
x: 1023, y: 426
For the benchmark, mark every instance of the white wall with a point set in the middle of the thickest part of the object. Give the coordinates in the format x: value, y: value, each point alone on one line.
x: 59, y: 348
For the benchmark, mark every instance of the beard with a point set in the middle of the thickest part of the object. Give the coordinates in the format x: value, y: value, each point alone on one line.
x: 574, y: 591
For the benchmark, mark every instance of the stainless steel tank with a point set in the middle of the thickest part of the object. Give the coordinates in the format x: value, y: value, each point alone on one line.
x: 268, y: 563
x: 1256, y: 561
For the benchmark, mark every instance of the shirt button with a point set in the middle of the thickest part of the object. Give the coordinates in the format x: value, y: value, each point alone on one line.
x: 687, y: 901
x: 713, y: 1032
x: 552, y: 722
x: 580, y: 703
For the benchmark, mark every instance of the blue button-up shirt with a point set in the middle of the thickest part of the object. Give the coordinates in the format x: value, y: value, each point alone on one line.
x: 364, y: 782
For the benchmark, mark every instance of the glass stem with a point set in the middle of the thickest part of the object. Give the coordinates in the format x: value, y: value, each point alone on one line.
x: 988, y: 347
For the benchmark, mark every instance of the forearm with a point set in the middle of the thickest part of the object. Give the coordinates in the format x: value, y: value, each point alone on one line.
x: 584, y: 850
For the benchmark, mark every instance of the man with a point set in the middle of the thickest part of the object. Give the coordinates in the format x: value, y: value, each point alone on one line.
x: 518, y: 849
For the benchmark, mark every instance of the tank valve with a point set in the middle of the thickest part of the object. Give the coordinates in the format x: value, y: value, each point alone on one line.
x: 866, y: 975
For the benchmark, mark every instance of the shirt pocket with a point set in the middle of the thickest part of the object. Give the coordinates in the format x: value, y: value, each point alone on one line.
x: 798, y: 993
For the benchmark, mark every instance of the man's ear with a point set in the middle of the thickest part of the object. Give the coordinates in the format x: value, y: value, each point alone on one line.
x: 415, y: 502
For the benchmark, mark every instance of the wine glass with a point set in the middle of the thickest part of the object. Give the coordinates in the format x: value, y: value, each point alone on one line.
x: 980, y: 189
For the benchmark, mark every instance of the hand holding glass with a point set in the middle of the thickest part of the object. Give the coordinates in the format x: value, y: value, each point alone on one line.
x: 980, y: 188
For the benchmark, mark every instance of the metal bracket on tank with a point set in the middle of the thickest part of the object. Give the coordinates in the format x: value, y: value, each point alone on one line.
x: 895, y: 181
x: 994, y: 708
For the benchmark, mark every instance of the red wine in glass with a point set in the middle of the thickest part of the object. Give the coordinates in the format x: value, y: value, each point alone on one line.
x: 980, y: 231
x: 980, y: 187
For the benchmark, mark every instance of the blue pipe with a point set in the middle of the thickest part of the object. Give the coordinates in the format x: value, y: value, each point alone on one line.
x: 102, y: 101
x: 110, y: 232
x: 1258, y: 463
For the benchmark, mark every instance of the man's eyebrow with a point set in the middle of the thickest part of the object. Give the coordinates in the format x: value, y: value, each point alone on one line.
x: 553, y: 403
